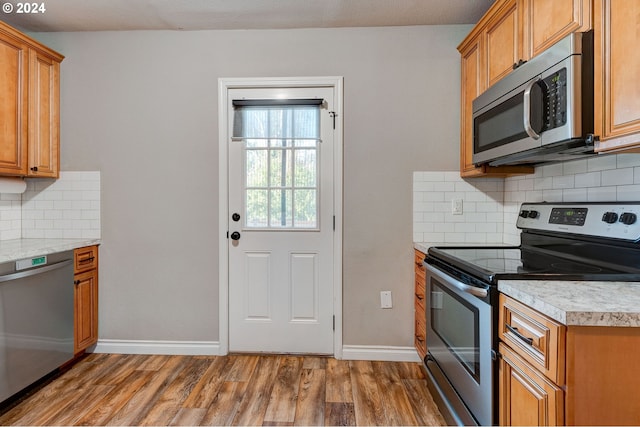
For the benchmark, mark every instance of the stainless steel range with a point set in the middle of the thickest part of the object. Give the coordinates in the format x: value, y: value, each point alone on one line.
x: 560, y: 241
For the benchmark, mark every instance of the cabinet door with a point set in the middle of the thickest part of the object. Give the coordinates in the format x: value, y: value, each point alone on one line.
x: 472, y: 78
x: 44, y: 115
x: 86, y: 310
x: 551, y: 20
x: 616, y: 71
x: 526, y: 397
x: 13, y: 105
x: 504, y: 42
x: 420, y: 324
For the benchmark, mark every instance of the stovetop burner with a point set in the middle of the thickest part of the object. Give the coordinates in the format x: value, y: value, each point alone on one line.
x: 560, y: 242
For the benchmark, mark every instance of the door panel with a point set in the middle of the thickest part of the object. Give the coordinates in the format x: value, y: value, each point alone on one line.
x: 281, y: 187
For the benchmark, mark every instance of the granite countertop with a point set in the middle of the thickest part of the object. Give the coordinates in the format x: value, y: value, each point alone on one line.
x: 574, y: 303
x: 579, y: 303
x: 12, y: 250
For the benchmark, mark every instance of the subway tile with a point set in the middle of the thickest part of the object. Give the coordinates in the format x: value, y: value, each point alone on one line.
x: 565, y: 181
x: 628, y: 160
x: 601, y: 162
x: 617, y: 177
x: 552, y: 170
x: 574, y: 167
x: 591, y: 179
x: 574, y: 195
x: 601, y: 194
x: 628, y: 193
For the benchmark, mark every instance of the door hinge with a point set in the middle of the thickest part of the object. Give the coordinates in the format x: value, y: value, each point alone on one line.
x: 333, y: 115
x: 334, y: 322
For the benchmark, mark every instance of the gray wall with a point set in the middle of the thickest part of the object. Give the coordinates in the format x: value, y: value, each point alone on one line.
x: 141, y: 107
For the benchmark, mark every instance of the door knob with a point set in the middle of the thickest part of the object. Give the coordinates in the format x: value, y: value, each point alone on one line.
x: 235, y: 236
x: 235, y: 217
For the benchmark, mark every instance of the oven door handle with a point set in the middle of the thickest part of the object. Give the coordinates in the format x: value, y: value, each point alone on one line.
x: 451, y: 281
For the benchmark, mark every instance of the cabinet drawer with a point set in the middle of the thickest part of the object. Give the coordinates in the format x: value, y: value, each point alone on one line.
x: 536, y: 338
x: 420, y: 269
x: 420, y: 335
x: 86, y: 258
x: 419, y: 294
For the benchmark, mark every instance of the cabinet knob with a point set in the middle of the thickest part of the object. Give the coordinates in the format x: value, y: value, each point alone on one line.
x: 76, y: 282
x: 35, y: 169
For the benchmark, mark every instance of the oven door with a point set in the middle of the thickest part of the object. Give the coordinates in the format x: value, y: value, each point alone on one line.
x: 459, y: 331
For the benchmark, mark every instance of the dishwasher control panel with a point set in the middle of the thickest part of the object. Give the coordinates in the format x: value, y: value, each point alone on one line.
x: 23, y: 264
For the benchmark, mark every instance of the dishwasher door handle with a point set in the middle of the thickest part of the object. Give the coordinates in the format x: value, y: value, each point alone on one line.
x: 34, y: 271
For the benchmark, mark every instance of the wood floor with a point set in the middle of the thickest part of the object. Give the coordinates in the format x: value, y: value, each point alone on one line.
x: 111, y: 389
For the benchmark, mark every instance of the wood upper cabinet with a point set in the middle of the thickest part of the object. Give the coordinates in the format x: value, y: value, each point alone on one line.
x: 29, y: 106
x: 85, y: 298
x: 616, y: 71
x: 14, y: 60
x: 420, y: 331
x: 549, y: 21
x: 504, y: 44
x: 44, y: 115
x: 475, y: 72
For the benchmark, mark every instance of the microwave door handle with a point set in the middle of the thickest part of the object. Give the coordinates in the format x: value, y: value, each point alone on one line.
x: 527, y: 110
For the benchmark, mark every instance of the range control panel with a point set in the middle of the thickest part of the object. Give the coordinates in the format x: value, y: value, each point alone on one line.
x: 617, y: 220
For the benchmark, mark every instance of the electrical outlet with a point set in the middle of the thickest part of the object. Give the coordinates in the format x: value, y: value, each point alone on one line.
x: 456, y: 206
x: 385, y: 299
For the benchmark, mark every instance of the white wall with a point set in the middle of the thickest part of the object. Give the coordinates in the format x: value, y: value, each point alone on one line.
x: 141, y: 107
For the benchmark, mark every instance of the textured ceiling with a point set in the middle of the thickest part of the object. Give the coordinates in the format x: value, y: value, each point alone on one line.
x: 99, y: 15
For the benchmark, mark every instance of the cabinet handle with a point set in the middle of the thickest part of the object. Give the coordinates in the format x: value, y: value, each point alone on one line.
x: 517, y: 333
x: 76, y: 282
x: 87, y: 260
x: 419, y: 338
x: 420, y: 297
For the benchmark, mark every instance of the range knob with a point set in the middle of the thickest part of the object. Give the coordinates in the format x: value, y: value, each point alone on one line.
x: 533, y: 214
x: 524, y: 214
x: 628, y: 218
x: 610, y: 217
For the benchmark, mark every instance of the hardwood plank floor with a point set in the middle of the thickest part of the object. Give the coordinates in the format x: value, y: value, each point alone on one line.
x: 274, y: 390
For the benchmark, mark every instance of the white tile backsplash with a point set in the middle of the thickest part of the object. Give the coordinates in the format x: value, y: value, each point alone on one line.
x: 68, y: 207
x: 481, y: 220
x: 491, y: 205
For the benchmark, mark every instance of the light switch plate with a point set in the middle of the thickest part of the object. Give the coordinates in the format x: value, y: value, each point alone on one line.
x: 385, y: 299
x: 456, y: 206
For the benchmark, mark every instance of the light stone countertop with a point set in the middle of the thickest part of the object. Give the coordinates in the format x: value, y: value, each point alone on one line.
x: 579, y: 303
x: 573, y: 303
x: 12, y: 250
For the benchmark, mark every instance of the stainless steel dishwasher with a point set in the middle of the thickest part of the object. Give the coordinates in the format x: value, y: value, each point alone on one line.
x: 36, y: 319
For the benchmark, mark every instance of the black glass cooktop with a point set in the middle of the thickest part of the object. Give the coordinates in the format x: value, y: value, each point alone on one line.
x: 491, y: 264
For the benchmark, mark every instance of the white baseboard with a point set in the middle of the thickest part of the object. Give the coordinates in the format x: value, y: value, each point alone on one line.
x: 212, y: 348
x: 380, y: 352
x: 191, y: 348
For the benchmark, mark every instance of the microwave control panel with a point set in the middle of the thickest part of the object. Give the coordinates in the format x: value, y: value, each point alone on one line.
x: 554, y: 89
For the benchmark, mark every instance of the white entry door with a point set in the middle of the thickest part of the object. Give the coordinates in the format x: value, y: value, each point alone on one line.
x: 281, y: 220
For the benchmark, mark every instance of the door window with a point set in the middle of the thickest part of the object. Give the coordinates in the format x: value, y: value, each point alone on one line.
x: 280, y: 155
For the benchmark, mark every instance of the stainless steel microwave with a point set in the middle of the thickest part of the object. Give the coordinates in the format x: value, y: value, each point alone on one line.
x: 540, y: 112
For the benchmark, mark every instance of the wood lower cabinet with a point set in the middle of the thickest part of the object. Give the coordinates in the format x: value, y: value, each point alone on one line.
x: 552, y: 374
x: 616, y: 71
x: 527, y: 398
x: 29, y: 106
x: 85, y: 298
x: 420, y: 331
